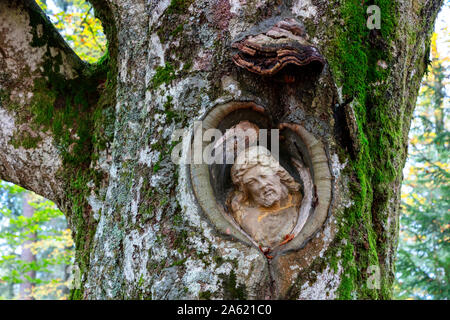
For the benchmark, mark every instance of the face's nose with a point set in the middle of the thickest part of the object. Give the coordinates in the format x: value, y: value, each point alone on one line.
x: 265, y: 182
x: 259, y: 183
x: 262, y: 182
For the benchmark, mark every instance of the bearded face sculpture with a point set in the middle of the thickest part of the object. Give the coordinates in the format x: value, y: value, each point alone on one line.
x: 266, y: 200
x: 276, y: 206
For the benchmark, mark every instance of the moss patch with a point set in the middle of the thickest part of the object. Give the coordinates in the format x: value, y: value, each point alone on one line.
x: 163, y: 75
x: 353, y: 59
x: 231, y: 289
x: 178, y: 6
x: 205, y: 295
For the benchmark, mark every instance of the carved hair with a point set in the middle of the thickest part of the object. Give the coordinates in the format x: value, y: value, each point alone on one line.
x: 259, y: 155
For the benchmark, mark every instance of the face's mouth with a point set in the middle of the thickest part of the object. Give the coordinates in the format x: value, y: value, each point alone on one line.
x: 268, y: 197
x: 269, y: 192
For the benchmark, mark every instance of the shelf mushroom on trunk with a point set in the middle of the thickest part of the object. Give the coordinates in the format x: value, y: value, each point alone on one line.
x: 278, y: 51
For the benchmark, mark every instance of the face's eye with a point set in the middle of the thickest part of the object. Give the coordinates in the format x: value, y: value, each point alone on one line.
x: 250, y: 182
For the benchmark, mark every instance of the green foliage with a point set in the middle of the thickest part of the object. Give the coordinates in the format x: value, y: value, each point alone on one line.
x: 51, y: 244
x: 423, y: 262
x: 75, y: 20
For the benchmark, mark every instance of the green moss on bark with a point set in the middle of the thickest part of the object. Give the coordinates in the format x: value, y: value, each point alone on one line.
x: 205, y: 295
x: 163, y: 75
x: 178, y: 6
x: 355, y: 66
x: 79, y: 114
x: 231, y: 289
x: 356, y: 58
x: 76, y: 294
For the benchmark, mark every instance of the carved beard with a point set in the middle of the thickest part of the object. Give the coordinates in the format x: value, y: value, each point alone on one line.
x: 270, y: 195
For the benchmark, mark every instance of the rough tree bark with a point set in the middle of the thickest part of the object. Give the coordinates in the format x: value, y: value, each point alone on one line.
x: 96, y: 140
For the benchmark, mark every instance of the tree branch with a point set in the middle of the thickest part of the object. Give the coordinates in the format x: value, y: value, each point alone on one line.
x: 34, y: 62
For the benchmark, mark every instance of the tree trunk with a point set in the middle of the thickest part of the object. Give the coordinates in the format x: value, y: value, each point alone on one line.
x: 96, y: 139
x: 26, y: 287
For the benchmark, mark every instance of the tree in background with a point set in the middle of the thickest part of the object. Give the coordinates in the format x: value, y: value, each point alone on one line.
x: 423, y: 262
x: 11, y: 207
x: 36, y: 246
x: 27, y: 255
x: 75, y: 20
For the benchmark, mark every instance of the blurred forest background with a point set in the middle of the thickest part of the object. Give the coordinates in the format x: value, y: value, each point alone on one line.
x: 37, y: 251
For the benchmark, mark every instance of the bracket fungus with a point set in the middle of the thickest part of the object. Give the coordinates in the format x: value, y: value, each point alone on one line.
x: 284, y: 46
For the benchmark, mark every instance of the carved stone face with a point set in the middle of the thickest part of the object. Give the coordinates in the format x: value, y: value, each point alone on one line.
x: 267, y: 199
x: 263, y: 185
